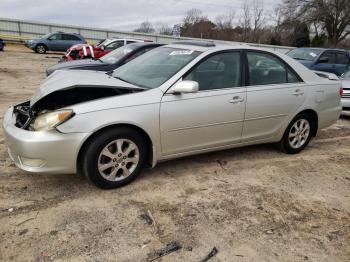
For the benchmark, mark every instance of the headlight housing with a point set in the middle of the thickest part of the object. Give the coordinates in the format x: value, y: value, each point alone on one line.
x: 50, y: 120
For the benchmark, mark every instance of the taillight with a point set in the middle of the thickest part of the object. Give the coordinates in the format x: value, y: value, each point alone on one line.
x: 341, y: 92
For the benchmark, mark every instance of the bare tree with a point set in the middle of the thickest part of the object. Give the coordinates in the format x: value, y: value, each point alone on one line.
x: 258, y: 18
x: 163, y: 29
x: 193, y: 16
x: 225, y: 21
x: 245, y: 20
x: 332, y: 16
x: 145, y: 27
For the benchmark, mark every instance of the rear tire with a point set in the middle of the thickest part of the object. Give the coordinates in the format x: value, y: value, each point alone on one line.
x: 298, y: 134
x: 40, y: 49
x: 114, y: 158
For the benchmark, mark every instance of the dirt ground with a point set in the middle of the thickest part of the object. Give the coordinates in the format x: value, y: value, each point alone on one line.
x: 253, y: 203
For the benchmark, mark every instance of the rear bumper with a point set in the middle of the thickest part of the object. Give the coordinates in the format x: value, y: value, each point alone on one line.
x: 346, y: 106
x: 49, y: 152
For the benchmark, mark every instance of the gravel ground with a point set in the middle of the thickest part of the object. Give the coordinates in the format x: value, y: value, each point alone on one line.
x: 253, y: 203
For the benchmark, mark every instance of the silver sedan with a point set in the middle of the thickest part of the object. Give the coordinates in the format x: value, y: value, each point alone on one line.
x: 174, y: 101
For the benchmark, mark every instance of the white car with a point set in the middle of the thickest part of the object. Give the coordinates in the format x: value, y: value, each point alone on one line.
x: 173, y: 101
x: 345, y: 99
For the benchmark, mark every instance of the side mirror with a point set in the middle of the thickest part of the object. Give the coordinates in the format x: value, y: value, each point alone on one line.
x: 323, y: 60
x: 184, y: 87
x: 102, y: 47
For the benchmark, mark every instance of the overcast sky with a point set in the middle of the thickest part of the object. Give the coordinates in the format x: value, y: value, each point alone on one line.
x: 117, y: 14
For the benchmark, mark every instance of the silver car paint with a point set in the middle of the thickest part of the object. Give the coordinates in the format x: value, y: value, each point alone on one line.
x: 180, y: 125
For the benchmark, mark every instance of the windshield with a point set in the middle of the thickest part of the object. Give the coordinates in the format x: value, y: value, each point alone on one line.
x: 304, y: 54
x: 114, y: 56
x: 155, y: 67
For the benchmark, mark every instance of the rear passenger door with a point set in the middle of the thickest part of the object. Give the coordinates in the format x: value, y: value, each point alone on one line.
x: 274, y: 94
x: 69, y: 40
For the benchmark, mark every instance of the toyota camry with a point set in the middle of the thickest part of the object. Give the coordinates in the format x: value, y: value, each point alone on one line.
x: 173, y: 101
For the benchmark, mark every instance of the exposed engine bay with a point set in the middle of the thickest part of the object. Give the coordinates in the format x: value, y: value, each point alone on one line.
x: 26, y: 113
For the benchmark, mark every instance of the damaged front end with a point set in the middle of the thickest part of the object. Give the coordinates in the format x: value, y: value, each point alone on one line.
x: 32, y: 116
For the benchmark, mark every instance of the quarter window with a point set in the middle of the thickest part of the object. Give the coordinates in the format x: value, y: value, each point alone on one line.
x: 218, y: 71
x: 266, y: 69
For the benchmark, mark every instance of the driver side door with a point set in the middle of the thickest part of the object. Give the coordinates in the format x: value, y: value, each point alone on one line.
x: 54, y: 43
x: 213, y: 116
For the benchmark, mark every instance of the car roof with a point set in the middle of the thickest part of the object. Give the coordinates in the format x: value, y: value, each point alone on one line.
x: 323, y: 49
x: 216, y: 47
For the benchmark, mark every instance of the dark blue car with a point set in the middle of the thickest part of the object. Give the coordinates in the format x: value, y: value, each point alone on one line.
x: 2, y: 44
x: 336, y: 61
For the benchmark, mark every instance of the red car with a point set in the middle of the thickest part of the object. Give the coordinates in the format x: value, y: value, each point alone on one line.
x: 82, y: 51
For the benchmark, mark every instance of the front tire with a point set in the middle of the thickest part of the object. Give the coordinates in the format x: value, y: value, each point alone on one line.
x: 114, y: 158
x: 298, y: 134
x: 40, y: 49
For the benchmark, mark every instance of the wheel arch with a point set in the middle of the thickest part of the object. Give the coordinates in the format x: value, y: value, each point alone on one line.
x: 42, y: 45
x: 314, y: 115
x: 150, y: 149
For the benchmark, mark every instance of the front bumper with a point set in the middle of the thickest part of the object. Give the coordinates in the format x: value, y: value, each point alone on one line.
x: 49, y: 152
x: 29, y: 45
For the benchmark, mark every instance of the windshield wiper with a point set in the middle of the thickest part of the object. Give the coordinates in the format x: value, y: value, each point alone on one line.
x: 298, y: 58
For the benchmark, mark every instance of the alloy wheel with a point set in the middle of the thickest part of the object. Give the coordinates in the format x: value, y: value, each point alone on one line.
x: 299, y: 133
x: 118, y: 159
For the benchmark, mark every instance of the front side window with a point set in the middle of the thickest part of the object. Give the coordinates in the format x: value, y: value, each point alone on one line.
x: 327, y: 58
x: 155, y: 67
x: 56, y: 37
x: 266, y: 69
x: 218, y: 71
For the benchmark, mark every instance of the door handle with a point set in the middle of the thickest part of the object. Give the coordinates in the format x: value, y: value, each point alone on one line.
x: 236, y: 99
x: 298, y: 92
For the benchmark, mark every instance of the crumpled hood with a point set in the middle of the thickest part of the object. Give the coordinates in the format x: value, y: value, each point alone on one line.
x: 66, y: 79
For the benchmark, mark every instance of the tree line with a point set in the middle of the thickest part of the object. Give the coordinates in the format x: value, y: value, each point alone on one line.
x: 316, y: 23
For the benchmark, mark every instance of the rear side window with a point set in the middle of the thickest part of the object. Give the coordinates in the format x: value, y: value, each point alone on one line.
x: 342, y: 58
x: 266, y: 69
x: 130, y: 42
x: 70, y: 37
x: 218, y: 71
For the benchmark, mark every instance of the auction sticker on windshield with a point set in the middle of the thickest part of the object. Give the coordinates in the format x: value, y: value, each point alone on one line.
x: 181, y: 52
